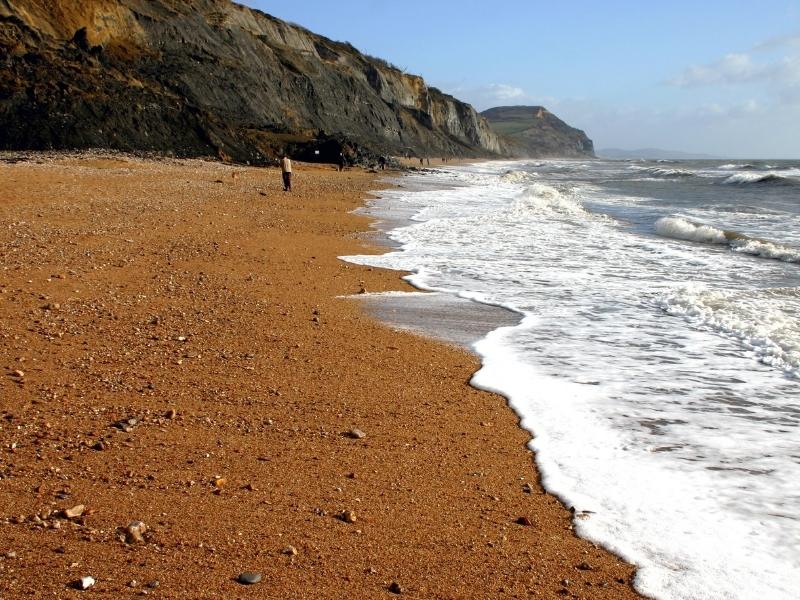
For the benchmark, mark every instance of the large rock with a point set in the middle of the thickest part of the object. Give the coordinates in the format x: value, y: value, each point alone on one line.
x: 209, y: 77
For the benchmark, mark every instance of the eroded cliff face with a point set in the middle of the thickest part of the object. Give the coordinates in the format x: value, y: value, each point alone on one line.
x: 211, y: 77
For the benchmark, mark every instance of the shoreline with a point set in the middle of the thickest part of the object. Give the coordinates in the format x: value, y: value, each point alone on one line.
x: 176, y: 294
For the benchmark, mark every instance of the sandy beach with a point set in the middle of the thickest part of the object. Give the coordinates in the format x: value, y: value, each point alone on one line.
x: 176, y: 351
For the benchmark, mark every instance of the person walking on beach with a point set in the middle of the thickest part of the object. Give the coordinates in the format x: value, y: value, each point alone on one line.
x: 286, y: 170
x: 342, y: 161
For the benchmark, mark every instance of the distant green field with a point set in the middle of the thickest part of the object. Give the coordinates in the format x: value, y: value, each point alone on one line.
x: 511, y: 127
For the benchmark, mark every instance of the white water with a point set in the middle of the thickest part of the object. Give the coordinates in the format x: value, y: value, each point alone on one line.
x: 657, y: 364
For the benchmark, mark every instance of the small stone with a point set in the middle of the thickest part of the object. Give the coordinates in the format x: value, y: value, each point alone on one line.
x: 348, y: 516
x: 153, y: 584
x: 584, y: 566
x: 356, y: 434
x: 395, y: 588
x: 249, y: 578
x: 134, y: 532
x: 527, y: 488
x: 524, y: 521
x: 99, y: 446
x: 171, y: 413
x: 290, y: 551
x: 18, y: 373
x: 75, y: 511
x: 219, y: 482
x: 10, y: 555
x: 84, y: 583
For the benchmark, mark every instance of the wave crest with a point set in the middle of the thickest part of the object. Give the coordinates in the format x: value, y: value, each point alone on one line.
x: 683, y: 229
x: 759, y: 178
x: 518, y: 176
x: 665, y: 173
x: 544, y: 198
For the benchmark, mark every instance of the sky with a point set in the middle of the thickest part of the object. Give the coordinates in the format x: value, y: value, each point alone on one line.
x: 713, y: 77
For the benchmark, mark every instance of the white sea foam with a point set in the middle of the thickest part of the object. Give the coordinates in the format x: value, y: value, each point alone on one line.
x: 757, y: 319
x: 660, y: 378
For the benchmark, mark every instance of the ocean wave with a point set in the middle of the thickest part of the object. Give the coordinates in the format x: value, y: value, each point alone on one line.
x: 730, y: 166
x: 665, y: 173
x: 683, y: 229
x: 544, y: 198
x: 518, y: 176
x: 752, y: 318
x: 760, y: 178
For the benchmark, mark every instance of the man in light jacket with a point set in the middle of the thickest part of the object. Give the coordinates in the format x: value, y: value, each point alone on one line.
x: 286, y: 170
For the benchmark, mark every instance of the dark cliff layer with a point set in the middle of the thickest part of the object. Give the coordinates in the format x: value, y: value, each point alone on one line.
x: 211, y: 77
x: 535, y: 132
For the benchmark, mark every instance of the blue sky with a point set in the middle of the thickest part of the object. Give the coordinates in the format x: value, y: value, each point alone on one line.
x: 714, y: 77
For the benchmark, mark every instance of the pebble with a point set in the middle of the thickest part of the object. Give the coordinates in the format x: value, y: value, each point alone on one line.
x: 10, y: 555
x: 348, y: 516
x: 527, y: 488
x: 249, y: 578
x: 75, y: 511
x: 99, y: 446
x: 171, y: 413
x: 524, y: 521
x: 18, y: 373
x: 134, y: 532
x: 290, y: 551
x: 126, y: 425
x: 356, y: 434
x: 584, y: 566
x: 395, y: 588
x: 84, y: 583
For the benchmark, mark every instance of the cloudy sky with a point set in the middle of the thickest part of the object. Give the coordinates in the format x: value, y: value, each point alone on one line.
x: 712, y: 77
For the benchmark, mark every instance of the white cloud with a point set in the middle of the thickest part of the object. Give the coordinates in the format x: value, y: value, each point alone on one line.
x: 504, y: 92
x: 779, y: 42
x: 732, y: 68
x: 491, y: 94
x: 773, y: 67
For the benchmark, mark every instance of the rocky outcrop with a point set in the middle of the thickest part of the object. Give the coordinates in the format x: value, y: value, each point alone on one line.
x: 535, y: 132
x: 211, y: 77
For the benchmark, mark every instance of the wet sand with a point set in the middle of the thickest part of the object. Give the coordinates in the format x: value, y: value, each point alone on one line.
x: 175, y: 350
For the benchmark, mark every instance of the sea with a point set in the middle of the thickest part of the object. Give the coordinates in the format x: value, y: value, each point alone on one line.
x: 655, y: 351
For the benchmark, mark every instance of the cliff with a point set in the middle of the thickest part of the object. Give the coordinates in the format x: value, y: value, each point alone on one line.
x: 535, y: 132
x: 207, y: 77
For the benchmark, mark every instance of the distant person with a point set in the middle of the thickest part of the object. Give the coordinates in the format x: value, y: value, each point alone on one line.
x: 382, y: 163
x: 421, y: 162
x: 429, y: 162
x: 286, y: 171
x: 342, y: 161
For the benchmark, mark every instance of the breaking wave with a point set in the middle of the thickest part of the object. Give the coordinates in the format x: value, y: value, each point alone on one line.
x: 518, y: 176
x: 760, y: 178
x: 665, y: 173
x: 544, y: 198
x: 682, y: 229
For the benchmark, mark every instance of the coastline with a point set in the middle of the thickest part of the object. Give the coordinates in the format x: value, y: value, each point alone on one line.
x: 132, y: 288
